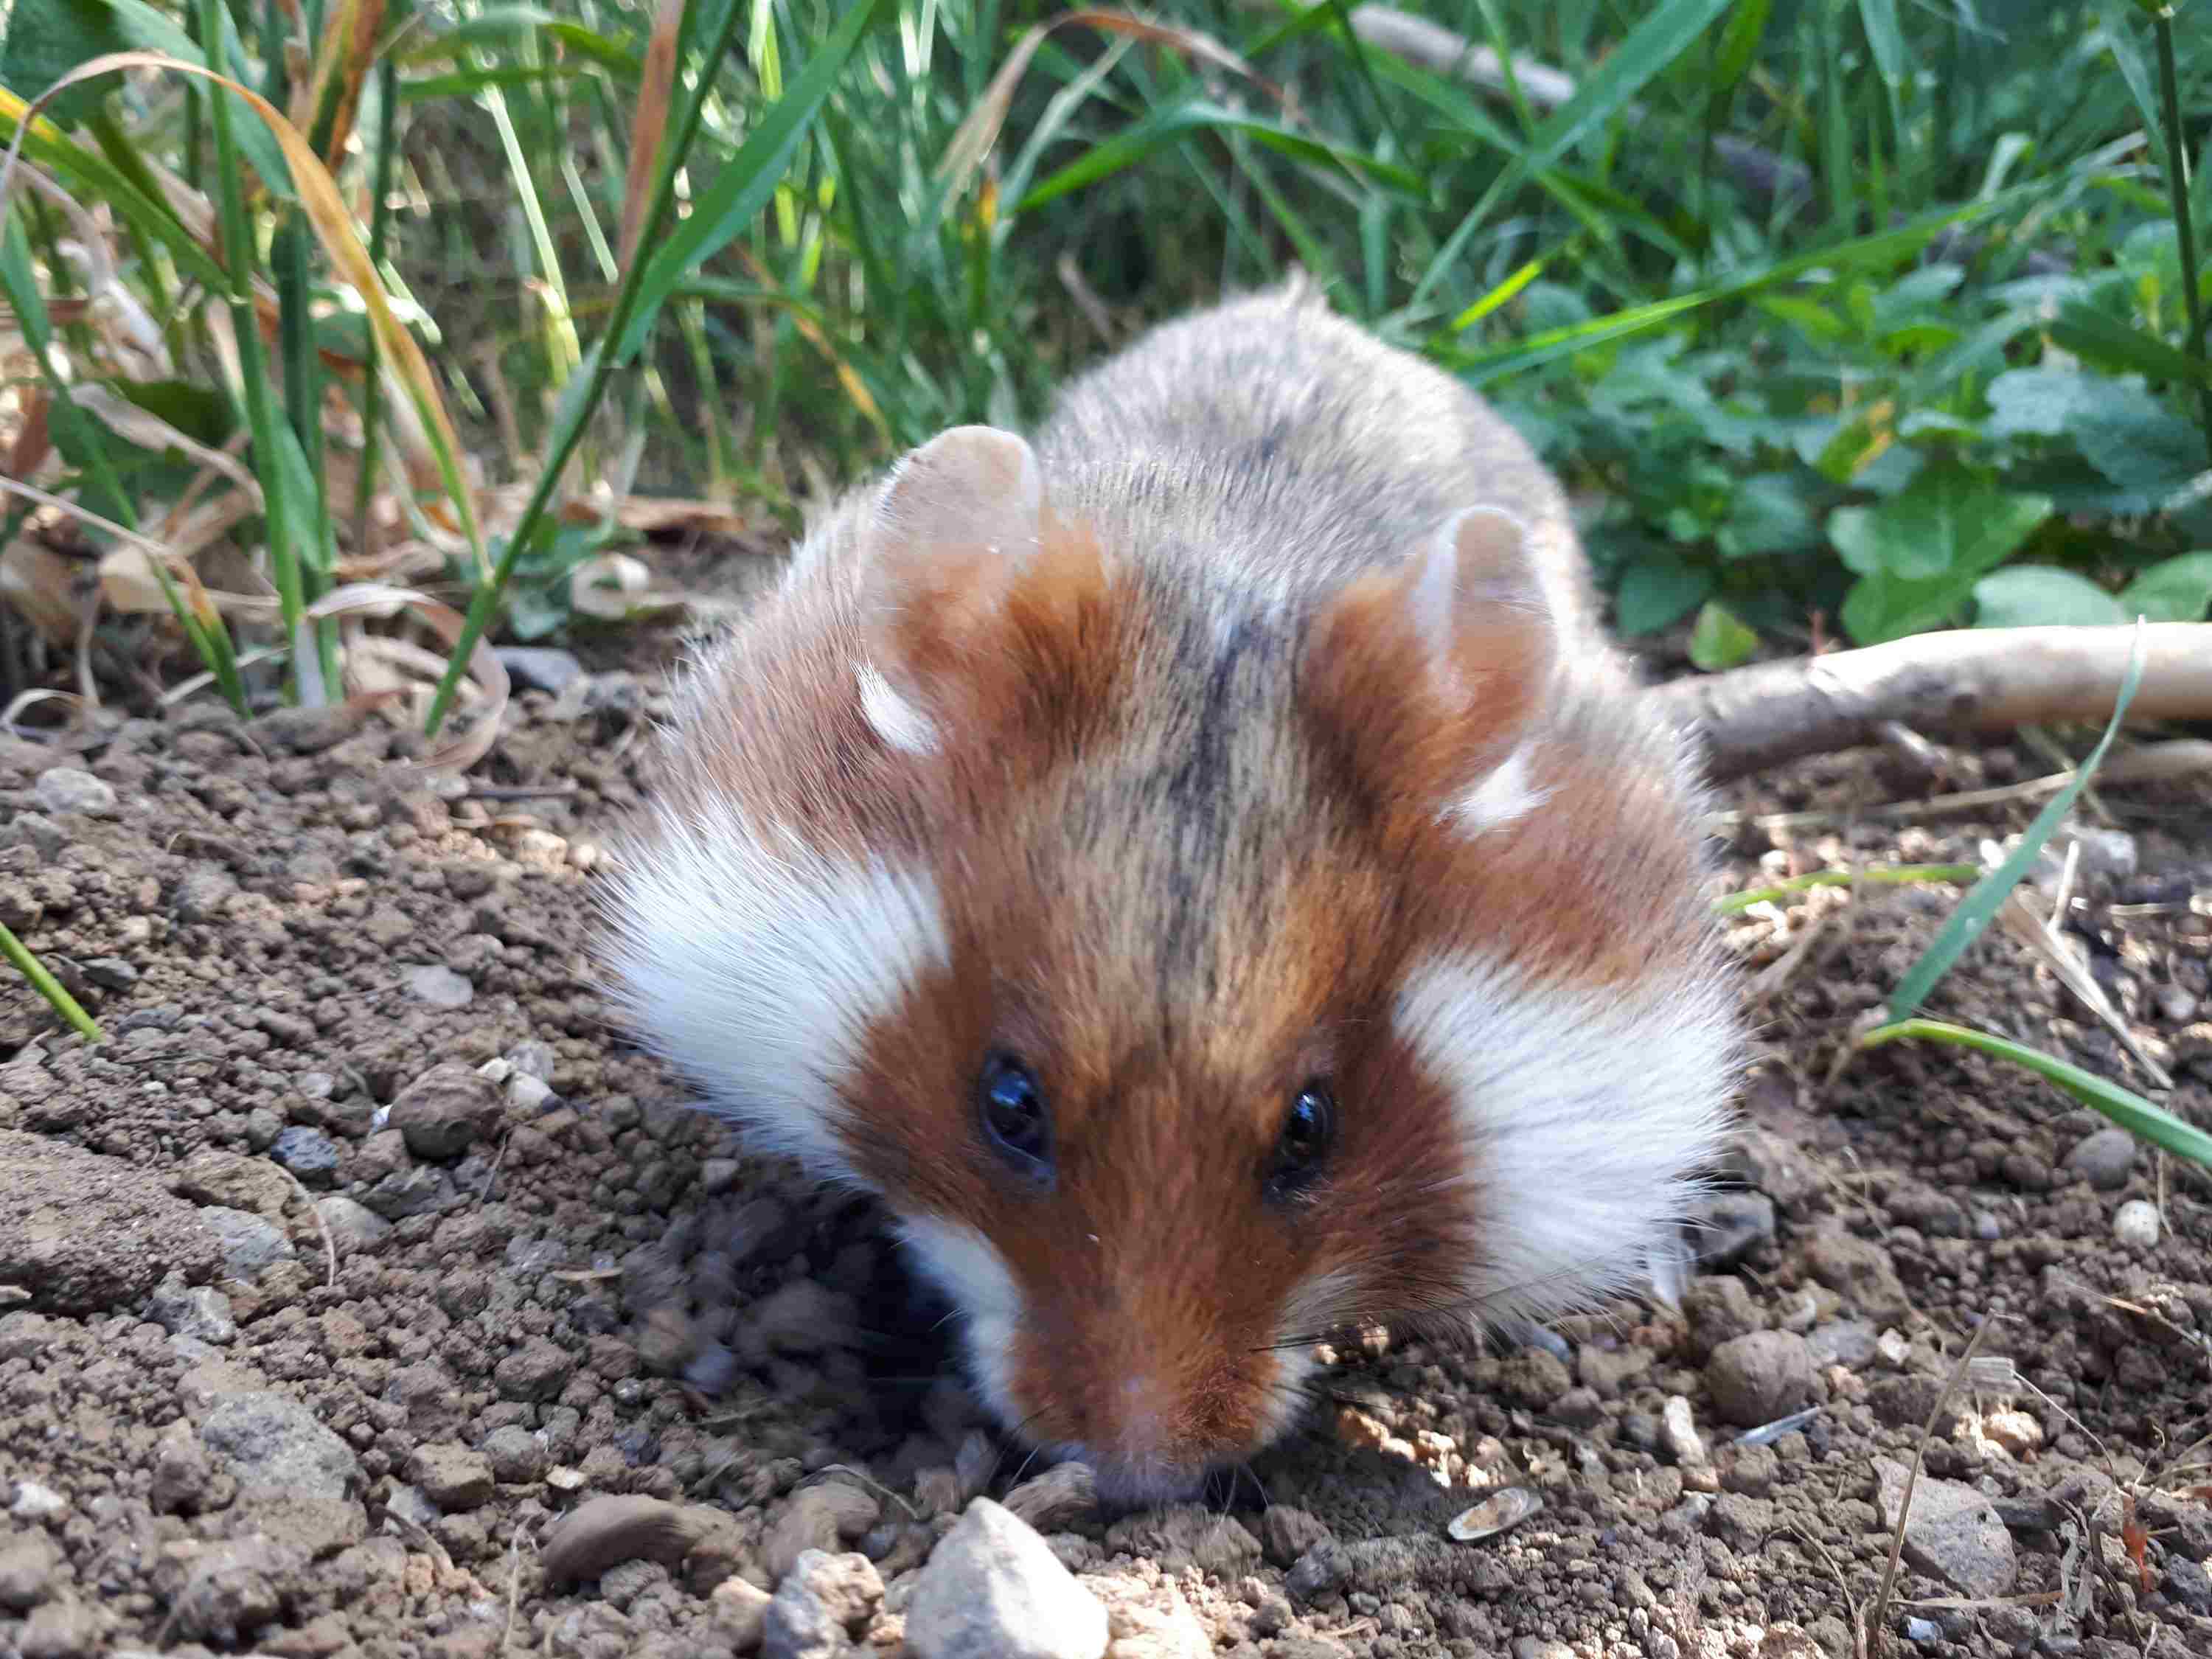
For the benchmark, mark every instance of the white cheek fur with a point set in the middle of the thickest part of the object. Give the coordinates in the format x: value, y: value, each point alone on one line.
x: 756, y: 965
x: 968, y: 1269
x: 1590, y: 1115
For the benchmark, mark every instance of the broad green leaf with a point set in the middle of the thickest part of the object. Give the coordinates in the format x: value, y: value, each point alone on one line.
x: 2179, y: 589
x: 2128, y: 1110
x: 1980, y: 906
x: 49, y: 39
x: 2124, y: 431
x: 1951, y: 521
x: 1719, y: 641
x: 2038, y: 596
x: 1768, y: 513
x: 1657, y: 590
x: 747, y: 181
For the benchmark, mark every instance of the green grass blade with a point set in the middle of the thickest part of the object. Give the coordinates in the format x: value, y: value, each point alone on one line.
x: 2124, y: 1106
x: 1650, y: 47
x: 45, y: 984
x: 1980, y: 906
x: 1896, y: 875
x: 746, y: 181
x: 1164, y: 126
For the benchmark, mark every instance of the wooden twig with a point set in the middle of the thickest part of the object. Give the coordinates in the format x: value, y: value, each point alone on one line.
x: 1966, y: 680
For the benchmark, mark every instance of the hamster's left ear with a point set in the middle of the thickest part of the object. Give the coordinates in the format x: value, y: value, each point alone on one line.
x: 1429, y: 673
x: 970, y: 588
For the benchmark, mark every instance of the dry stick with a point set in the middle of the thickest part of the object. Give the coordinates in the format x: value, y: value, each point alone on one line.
x: 2156, y: 763
x: 1972, y: 679
x: 1880, y: 1611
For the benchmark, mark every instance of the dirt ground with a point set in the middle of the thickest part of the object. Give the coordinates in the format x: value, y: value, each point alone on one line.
x: 363, y: 1249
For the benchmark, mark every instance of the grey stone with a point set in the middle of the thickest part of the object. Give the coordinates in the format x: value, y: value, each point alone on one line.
x: 68, y: 789
x: 420, y: 1191
x: 203, y: 892
x: 1754, y: 1379
x: 1847, y: 1342
x: 272, y: 1440
x: 1952, y: 1531
x: 251, y: 1244
x: 353, y: 1226
x: 823, y: 1600
x: 517, y: 1457
x: 544, y: 667
x: 202, y: 1312
x: 453, y: 1477
x: 2134, y: 1224
x: 439, y: 986
x: 439, y: 1113
x: 2104, y: 1159
x: 85, y: 1233
x: 111, y: 973
x: 307, y: 1153
x: 994, y: 1589
x: 1732, y: 1226
x: 29, y: 1562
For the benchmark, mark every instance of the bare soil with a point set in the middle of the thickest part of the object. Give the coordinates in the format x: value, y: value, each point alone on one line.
x: 362, y: 1249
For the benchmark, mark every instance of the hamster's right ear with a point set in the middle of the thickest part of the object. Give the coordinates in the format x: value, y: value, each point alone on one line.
x: 1428, y: 674
x: 965, y: 574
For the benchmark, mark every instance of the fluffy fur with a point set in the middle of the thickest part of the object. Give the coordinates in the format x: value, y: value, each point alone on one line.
x: 1251, y: 728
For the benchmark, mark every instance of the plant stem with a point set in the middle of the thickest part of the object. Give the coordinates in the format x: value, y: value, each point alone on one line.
x: 380, y: 231
x: 599, y: 365
x: 45, y: 984
x: 2177, y: 185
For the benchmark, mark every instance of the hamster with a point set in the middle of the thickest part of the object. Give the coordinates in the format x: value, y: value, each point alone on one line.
x: 1204, y: 869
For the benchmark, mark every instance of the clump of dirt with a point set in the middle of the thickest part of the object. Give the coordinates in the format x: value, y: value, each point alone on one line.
x: 356, y: 1269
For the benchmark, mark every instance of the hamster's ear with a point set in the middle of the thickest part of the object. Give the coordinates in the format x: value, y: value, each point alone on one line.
x: 962, y: 568
x: 1428, y: 675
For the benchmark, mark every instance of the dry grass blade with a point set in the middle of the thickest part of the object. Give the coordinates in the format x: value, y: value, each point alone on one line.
x: 973, y: 142
x: 326, y: 212
x: 2023, y: 919
x: 129, y: 584
x: 491, y: 675
x: 656, y: 90
x: 348, y: 51
x: 149, y: 431
x: 1879, y: 1610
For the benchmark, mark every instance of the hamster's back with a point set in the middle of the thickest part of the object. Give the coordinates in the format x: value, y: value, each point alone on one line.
x: 1271, y: 440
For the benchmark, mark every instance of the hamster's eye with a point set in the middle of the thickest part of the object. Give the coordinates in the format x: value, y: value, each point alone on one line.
x: 1308, y: 1129
x: 1012, y: 1109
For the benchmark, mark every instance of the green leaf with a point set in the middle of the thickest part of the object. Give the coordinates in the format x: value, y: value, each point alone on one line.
x: 2038, y: 596
x: 1719, y: 641
x: 1980, y: 906
x: 2101, y: 338
x: 47, y: 38
x: 746, y: 182
x: 1952, y: 519
x: 1768, y: 513
x: 2124, y: 1106
x: 1163, y: 126
x: 2175, y: 590
x: 1657, y: 590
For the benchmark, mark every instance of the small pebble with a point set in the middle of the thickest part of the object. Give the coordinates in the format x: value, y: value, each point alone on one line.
x: 2134, y: 1224
x: 439, y: 986
x: 67, y: 789
x: 1508, y: 1507
x: 307, y: 1153
x: 2104, y: 1159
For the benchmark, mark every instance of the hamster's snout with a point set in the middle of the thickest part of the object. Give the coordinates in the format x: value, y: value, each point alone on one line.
x: 1154, y: 1367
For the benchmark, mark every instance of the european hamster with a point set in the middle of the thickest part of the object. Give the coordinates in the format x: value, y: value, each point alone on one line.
x: 1204, y: 869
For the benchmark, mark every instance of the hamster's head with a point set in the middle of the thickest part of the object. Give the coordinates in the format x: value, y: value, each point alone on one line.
x: 1190, y: 979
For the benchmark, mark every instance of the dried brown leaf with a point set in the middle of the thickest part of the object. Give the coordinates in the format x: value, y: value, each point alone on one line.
x: 656, y: 91
x: 980, y: 131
